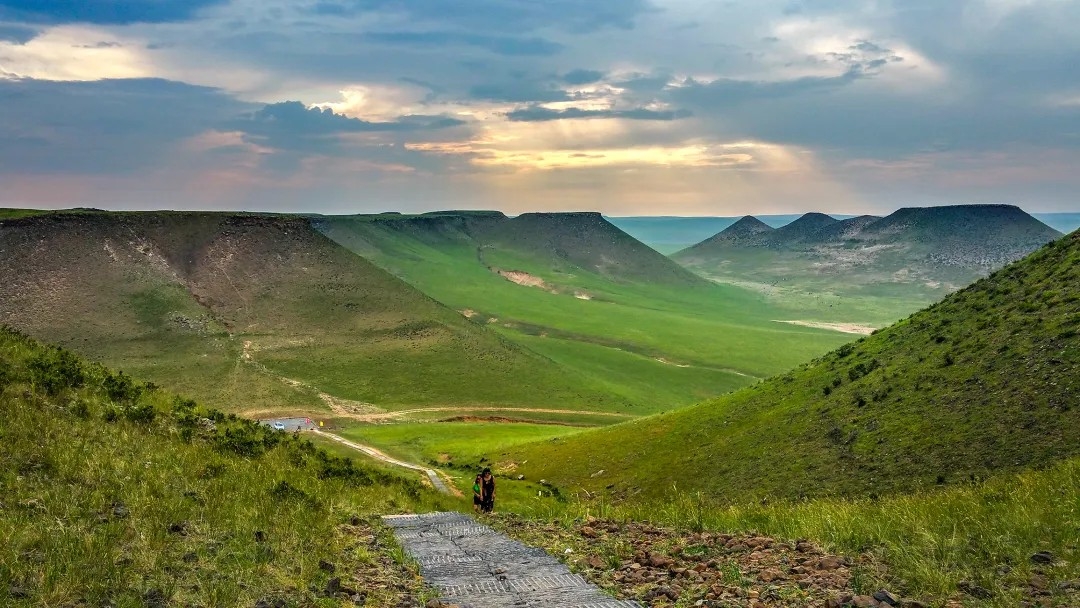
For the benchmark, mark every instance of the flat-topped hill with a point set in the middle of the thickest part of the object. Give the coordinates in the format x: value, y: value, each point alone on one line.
x: 984, y: 382
x: 561, y: 242
x: 254, y: 312
x: 914, y: 253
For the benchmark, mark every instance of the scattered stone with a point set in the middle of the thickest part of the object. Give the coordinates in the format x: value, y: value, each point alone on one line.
x: 589, y: 532
x: 884, y: 596
x: 520, y: 477
x: 596, y: 563
x: 18, y: 592
x: 179, y: 527
x: 434, y: 603
x: 155, y: 598
x: 974, y: 590
x: 1042, y: 557
x: 260, y: 536
x: 333, y: 586
x: 660, y: 561
x: 863, y: 601
x: 119, y: 510
x: 326, y: 566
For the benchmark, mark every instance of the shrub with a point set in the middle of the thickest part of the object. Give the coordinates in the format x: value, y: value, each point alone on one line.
x: 55, y: 370
x: 121, y: 388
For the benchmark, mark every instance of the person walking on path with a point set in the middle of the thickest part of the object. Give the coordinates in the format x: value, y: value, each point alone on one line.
x: 487, y: 489
x: 477, y: 493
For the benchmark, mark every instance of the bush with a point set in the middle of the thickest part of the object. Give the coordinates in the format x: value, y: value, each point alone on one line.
x: 55, y: 370
x: 121, y: 388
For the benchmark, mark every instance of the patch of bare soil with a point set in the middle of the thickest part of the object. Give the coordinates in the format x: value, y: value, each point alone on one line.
x: 505, y: 420
x: 847, y: 328
x: 522, y: 278
x: 668, y: 567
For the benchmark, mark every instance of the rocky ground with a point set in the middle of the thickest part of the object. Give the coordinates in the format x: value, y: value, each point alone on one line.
x: 666, y: 567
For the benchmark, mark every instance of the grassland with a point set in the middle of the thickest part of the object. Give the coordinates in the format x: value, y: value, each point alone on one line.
x: 726, y: 336
x: 115, y: 493
x: 984, y: 382
x: 923, y: 545
x: 257, y: 313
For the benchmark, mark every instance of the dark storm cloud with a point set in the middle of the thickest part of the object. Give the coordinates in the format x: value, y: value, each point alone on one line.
x: 577, y: 77
x: 500, y: 15
x: 539, y: 114
x: 107, y: 126
x: 116, y: 12
x: 502, y: 45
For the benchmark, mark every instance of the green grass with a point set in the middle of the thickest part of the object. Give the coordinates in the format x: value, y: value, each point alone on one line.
x: 981, y: 383
x: 716, y: 328
x: 929, y: 541
x: 113, y: 493
x: 175, y: 297
x: 451, y: 443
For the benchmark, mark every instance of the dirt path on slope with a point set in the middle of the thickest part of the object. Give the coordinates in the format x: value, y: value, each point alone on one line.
x: 847, y: 328
x: 438, y: 482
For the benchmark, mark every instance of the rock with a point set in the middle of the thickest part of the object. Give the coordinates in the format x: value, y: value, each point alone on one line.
x: 829, y: 563
x: 333, y: 586
x: 1066, y: 585
x: 888, y: 598
x: 260, y: 536
x: 863, y: 601
x: 1038, y: 583
x: 17, y: 592
x: 190, y: 557
x: 1042, y: 557
x: 326, y: 566
x: 769, y: 575
x: 434, y: 603
x: 154, y: 598
x: 596, y: 563
x: 912, y: 604
x: 520, y: 477
x: 660, y: 561
x: 974, y: 590
x: 119, y: 510
x: 179, y: 527
x: 662, y: 591
x: 589, y: 532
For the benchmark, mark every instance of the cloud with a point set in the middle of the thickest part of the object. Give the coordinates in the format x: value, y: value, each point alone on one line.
x: 541, y: 114
x: 501, y: 15
x: 102, y: 127
x: 519, y: 92
x: 19, y: 34
x: 726, y: 92
x: 580, y: 76
x: 115, y: 12
x: 502, y: 45
x: 292, y: 125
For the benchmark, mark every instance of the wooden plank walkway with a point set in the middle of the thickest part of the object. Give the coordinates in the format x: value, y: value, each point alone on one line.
x: 474, y: 566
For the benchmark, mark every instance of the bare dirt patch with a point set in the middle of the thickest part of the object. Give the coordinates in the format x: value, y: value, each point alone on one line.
x: 522, y: 278
x: 847, y: 328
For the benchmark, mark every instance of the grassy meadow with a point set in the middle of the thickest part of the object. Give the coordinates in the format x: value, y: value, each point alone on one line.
x: 726, y: 336
x: 116, y: 493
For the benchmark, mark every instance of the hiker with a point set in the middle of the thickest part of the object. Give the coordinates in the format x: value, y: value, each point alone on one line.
x: 477, y: 493
x: 487, y: 485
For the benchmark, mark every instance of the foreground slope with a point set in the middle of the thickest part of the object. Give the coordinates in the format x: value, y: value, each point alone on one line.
x: 113, y: 494
x: 254, y: 313
x: 985, y: 381
x: 586, y: 295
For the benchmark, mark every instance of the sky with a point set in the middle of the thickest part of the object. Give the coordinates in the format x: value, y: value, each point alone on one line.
x: 629, y: 107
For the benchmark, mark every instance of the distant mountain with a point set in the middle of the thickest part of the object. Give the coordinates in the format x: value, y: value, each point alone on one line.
x: 936, y: 247
x: 250, y: 312
x: 981, y: 383
x: 560, y: 242
x: 748, y: 230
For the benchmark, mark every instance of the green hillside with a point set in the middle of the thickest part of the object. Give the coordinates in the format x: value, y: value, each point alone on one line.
x: 586, y: 295
x: 117, y: 494
x: 985, y: 381
x: 889, y: 266
x: 254, y: 313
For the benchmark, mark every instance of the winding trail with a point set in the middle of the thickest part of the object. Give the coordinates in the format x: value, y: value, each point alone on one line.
x: 432, y: 475
x: 474, y: 566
